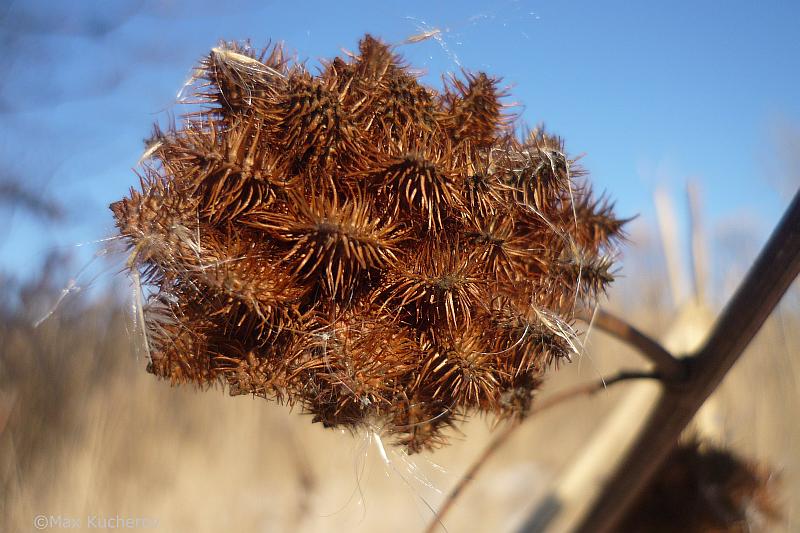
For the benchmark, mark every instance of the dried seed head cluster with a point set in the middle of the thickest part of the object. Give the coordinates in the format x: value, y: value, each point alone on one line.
x: 706, y: 489
x: 361, y: 245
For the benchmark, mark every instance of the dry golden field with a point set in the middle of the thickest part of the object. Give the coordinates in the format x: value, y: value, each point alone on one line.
x: 86, y: 433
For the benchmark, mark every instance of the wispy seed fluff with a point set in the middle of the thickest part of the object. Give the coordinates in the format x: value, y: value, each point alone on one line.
x: 353, y: 242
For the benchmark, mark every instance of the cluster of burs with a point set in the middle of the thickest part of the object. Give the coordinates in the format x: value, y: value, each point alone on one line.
x: 354, y: 243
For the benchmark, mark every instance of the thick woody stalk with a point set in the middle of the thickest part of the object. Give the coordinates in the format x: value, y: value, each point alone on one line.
x: 773, y: 272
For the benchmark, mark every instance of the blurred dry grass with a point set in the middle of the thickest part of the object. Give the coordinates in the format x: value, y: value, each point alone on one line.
x: 85, y: 431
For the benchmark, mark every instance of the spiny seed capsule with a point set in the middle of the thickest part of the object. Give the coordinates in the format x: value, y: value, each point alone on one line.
x: 383, y: 255
x: 702, y: 488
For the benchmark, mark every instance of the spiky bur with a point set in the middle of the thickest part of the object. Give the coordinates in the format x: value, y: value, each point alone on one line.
x: 356, y: 243
x: 706, y: 489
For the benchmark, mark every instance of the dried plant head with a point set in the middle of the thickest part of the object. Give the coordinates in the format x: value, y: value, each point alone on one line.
x: 383, y: 255
x: 703, y: 489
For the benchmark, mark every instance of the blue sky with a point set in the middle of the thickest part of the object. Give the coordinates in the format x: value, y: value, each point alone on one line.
x: 652, y: 93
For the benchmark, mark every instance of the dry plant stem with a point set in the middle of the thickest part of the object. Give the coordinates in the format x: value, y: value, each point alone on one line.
x: 585, y: 389
x: 668, y: 367
x: 698, y: 243
x: 666, y: 217
x: 7, y: 405
x: 769, y: 278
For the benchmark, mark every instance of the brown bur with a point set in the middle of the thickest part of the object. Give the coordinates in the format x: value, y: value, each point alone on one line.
x: 384, y: 255
x: 706, y: 489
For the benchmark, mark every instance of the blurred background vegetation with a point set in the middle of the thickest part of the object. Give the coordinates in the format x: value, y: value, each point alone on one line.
x: 85, y: 430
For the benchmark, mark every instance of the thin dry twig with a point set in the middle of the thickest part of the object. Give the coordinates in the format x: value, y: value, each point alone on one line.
x: 669, y: 367
x: 584, y: 389
x: 14, y: 193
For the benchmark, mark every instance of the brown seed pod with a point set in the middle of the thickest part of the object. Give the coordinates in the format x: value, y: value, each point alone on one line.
x: 418, y: 183
x: 383, y: 255
x: 473, y: 110
x: 332, y: 240
x: 703, y: 489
